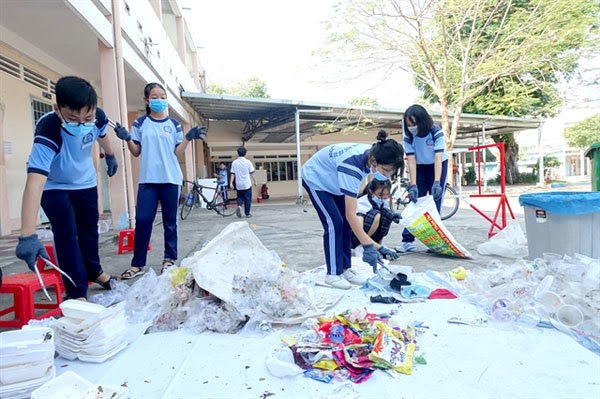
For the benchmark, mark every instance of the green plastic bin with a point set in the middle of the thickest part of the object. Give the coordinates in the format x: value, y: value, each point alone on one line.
x: 593, y: 153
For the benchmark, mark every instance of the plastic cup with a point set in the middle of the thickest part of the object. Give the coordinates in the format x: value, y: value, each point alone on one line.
x: 569, y: 315
x: 550, y: 301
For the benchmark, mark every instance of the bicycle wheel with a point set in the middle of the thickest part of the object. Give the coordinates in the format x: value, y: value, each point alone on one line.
x: 220, y: 206
x: 186, y: 209
x: 399, y: 198
x: 449, y: 203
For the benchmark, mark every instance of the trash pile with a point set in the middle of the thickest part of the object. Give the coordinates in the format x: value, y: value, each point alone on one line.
x: 347, y: 346
x: 553, y: 291
x: 232, y: 281
x: 71, y: 385
x: 26, y: 361
x: 90, y: 332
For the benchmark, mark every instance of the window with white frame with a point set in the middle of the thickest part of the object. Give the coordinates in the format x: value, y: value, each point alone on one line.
x: 39, y: 109
x: 282, y: 168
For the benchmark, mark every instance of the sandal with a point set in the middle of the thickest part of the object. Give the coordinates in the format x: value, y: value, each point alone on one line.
x: 166, y: 264
x: 106, y: 285
x: 131, y: 273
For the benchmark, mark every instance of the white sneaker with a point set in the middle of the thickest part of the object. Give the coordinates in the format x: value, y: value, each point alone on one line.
x: 337, y: 282
x: 406, y: 247
x: 238, y: 212
x: 353, y: 278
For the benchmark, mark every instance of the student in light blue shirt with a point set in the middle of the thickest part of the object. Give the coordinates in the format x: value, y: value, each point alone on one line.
x: 222, y: 180
x: 425, y: 147
x: 61, y: 177
x: 159, y: 140
x: 332, y: 178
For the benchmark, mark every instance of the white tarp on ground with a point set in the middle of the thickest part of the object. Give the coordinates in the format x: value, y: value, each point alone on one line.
x: 462, y: 361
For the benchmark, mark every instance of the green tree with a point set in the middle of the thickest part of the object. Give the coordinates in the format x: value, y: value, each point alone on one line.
x: 253, y: 87
x: 484, y: 55
x: 364, y: 101
x: 584, y: 133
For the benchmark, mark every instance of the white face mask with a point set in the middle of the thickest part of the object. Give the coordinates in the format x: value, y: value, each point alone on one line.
x: 413, y: 129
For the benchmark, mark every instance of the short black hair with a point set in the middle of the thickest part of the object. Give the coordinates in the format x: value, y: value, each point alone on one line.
x: 242, y: 151
x: 375, y: 185
x: 422, y: 119
x: 75, y: 93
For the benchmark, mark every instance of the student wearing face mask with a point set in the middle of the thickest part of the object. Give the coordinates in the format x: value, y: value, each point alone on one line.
x: 62, y: 178
x: 376, y: 217
x: 427, y: 159
x: 332, y: 178
x: 159, y: 140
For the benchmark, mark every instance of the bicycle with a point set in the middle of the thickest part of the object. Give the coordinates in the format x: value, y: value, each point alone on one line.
x: 399, y: 198
x: 218, y: 203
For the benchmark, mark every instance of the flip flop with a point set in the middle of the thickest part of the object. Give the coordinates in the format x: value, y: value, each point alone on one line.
x: 106, y: 285
x: 415, y: 291
x: 130, y: 273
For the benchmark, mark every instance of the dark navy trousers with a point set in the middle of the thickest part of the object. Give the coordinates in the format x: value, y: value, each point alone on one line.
x: 149, y: 195
x: 245, y: 197
x: 337, y: 236
x: 73, y: 215
x: 425, y: 179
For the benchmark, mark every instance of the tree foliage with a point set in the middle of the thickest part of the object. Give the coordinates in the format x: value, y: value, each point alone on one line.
x: 484, y: 55
x: 364, y: 101
x: 253, y: 87
x: 584, y: 133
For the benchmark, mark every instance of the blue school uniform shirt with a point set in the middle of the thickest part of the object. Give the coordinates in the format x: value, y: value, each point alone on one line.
x: 65, y: 159
x: 222, y: 177
x: 158, y: 139
x: 425, y: 148
x: 338, y: 168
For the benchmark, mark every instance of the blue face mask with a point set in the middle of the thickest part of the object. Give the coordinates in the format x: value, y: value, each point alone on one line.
x: 379, y: 176
x: 378, y: 201
x: 158, y: 105
x: 78, y: 129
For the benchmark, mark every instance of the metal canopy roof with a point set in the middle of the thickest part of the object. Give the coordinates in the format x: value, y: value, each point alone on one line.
x: 272, y: 121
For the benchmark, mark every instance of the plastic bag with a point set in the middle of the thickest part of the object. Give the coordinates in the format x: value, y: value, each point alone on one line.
x: 509, y: 242
x: 423, y: 221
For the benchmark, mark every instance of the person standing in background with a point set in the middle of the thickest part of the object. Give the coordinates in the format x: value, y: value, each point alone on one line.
x: 221, y: 176
x: 159, y: 139
x: 242, y: 172
x: 425, y: 147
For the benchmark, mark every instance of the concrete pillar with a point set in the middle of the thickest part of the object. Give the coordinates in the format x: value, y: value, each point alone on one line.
x: 180, y: 38
x: 5, y: 227
x: 195, y: 70
x: 110, y: 103
x: 157, y: 8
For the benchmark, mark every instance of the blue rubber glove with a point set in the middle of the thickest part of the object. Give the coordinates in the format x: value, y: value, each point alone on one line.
x: 396, y: 217
x: 122, y: 133
x: 413, y: 192
x: 195, y: 133
x: 371, y: 256
x: 388, y: 253
x: 29, y: 248
x: 112, y: 165
x: 436, y: 190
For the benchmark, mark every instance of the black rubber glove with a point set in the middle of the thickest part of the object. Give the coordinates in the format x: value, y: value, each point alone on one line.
x: 112, y: 165
x: 29, y: 248
x: 388, y: 253
x: 371, y: 256
x: 436, y: 190
x: 413, y: 192
x: 396, y: 217
x: 122, y: 133
x: 195, y: 133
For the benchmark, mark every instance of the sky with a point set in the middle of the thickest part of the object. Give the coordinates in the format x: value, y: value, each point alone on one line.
x: 273, y: 41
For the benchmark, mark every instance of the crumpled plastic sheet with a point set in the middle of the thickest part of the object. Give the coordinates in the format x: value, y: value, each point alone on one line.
x: 510, y: 242
x: 212, y: 314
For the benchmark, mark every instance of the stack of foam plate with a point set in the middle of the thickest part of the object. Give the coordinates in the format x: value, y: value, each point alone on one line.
x: 72, y: 386
x: 90, y: 332
x: 26, y: 361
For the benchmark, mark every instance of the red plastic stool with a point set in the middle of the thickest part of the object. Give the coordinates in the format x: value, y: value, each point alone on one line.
x: 126, y: 240
x: 23, y: 287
